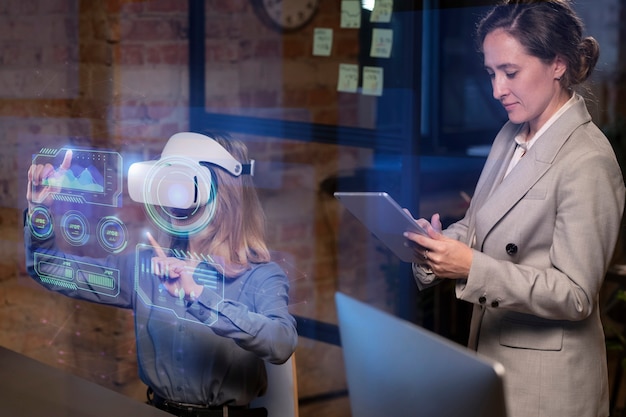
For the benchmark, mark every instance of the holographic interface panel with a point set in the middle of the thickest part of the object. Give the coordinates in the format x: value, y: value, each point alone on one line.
x: 93, y: 180
x: 93, y: 177
x: 77, y: 204
x: 210, y: 274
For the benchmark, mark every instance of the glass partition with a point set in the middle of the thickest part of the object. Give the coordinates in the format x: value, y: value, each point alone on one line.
x: 392, y: 100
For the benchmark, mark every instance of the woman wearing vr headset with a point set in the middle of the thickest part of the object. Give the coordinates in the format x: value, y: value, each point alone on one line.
x: 229, y: 299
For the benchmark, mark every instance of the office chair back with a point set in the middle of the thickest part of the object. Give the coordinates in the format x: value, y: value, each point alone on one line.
x: 281, y: 397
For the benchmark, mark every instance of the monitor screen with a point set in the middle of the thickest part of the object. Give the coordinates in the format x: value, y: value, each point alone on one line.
x: 396, y: 368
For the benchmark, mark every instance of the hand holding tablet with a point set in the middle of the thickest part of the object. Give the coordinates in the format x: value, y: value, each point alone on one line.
x: 384, y: 217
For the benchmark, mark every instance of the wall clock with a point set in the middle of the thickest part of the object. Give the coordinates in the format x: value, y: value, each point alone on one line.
x: 286, y: 15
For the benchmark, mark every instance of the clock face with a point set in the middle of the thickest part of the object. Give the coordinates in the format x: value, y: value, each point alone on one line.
x: 287, y: 14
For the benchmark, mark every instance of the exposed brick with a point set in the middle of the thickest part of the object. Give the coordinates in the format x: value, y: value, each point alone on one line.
x: 293, y: 232
x: 27, y: 7
x: 132, y: 110
x: 160, y: 110
x: 130, y: 54
x: 167, y: 54
x: 152, y: 29
x: 167, y: 129
x: 231, y: 6
x: 18, y: 56
x: 61, y: 54
x: 327, y: 117
x: 166, y: 6
x: 217, y: 27
x: 268, y: 48
x: 97, y: 53
x: 295, y: 98
x: 221, y: 51
x: 122, y: 6
x: 321, y: 97
x: 57, y: 6
x: 347, y: 48
x: 293, y: 48
x: 265, y: 99
x: 102, y: 28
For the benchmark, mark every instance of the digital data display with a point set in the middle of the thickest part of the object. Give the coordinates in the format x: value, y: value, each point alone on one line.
x: 211, y: 278
x: 78, y: 203
x: 77, y: 275
x: 93, y: 177
x: 85, y: 186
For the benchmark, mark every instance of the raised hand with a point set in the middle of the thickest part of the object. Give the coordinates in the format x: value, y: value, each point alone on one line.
x: 41, y: 180
x: 176, y: 275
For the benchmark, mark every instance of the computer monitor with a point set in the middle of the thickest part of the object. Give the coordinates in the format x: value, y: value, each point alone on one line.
x: 395, y: 368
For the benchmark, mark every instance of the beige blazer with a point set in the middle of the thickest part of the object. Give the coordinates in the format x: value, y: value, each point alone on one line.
x: 543, y: 238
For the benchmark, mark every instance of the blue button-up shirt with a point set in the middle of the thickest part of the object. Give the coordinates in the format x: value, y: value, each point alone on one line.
x: 210, y: 351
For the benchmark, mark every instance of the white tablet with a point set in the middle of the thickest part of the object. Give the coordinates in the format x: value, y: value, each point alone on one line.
x: 384, y: 217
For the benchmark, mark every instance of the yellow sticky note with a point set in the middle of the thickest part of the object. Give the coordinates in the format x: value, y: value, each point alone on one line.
x: 348, y: 81
x: 322, y: 41
x: 351, y: 14
x: 372, y: 81
x: 382, y: 41
x: 382, y: 11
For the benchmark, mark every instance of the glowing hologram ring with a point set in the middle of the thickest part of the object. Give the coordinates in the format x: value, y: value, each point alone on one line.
x: 112, y: 234
x: 182, y: 194
x: 75, y: 228
x: 40, y: 222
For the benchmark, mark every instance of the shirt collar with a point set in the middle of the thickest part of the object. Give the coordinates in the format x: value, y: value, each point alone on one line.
x: 522, y: 136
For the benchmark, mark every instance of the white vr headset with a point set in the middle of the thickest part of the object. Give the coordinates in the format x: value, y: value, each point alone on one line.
x: 180, y: 179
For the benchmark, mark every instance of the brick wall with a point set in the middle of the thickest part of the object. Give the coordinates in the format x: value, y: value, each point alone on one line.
x: 113, y: 74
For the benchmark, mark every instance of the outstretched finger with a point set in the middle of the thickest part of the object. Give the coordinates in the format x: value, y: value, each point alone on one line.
x: 157, y: 248
x: 67, y: 160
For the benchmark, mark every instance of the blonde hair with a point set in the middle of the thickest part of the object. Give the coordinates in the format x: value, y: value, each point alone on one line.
x: 236, y: 234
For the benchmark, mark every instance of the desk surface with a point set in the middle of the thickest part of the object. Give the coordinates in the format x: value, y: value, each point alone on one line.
x: 30, y: 388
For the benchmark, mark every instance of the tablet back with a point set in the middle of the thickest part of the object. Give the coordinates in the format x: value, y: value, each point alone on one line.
x: 395, y: 368
x: 384, y: 218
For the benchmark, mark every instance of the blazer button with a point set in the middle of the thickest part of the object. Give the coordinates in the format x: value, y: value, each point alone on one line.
x: 511, y: 249
x: 495, y: 304
x: 482, y: 299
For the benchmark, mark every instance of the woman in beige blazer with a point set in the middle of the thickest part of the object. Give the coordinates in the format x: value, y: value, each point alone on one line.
x: 534, y: 246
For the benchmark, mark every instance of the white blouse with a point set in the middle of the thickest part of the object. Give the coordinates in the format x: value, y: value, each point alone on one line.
x: 524, y: 143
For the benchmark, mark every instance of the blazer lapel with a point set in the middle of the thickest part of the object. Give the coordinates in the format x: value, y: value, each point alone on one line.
x: 506, y: 193
x: 502, y: 153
